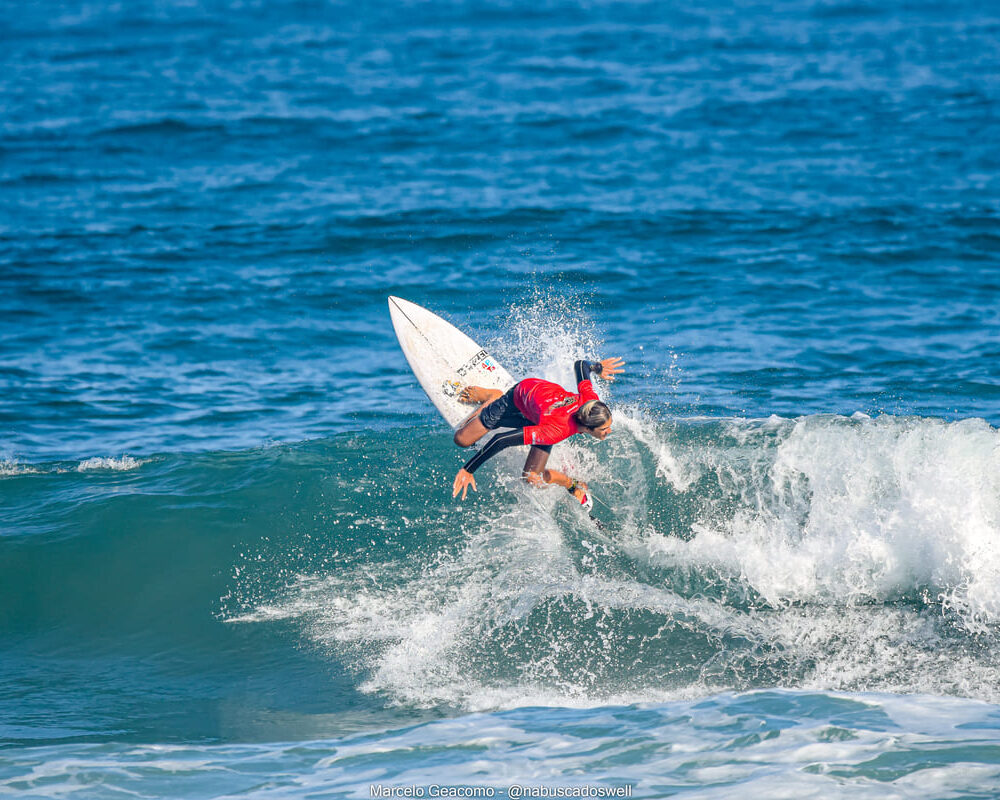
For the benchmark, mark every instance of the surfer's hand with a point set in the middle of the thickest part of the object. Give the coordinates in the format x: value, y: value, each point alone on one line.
x: 463, y: 481
x: 580, y: 491
x: 611, y: 367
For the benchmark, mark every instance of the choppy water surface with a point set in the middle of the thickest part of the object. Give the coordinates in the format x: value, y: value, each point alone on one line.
x: 229, y: 562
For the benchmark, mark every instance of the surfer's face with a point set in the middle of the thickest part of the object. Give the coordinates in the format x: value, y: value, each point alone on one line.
x: 601, y: 431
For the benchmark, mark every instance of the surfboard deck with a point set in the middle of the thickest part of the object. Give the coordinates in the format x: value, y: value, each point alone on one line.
x: 444, y: 360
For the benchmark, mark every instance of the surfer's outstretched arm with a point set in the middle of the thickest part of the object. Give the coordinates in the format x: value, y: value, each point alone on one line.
x: 607, y: 368
x: 501, y: 441
x: 464, y: 479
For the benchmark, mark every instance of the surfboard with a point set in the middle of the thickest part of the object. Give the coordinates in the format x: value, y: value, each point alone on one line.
x: 444, y: 359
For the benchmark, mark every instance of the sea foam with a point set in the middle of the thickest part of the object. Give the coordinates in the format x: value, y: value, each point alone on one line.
x: 121, y: 464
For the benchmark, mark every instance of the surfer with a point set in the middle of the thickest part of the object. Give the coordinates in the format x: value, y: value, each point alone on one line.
x: 542, y: 414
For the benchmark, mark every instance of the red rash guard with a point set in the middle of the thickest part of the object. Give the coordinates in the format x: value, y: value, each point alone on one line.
x: 552, y: 408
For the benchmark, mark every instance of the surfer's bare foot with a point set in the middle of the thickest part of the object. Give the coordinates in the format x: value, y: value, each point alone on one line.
x: 474, y: 395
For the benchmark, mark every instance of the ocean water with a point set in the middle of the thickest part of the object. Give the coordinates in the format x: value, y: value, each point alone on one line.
x: 230, y: 565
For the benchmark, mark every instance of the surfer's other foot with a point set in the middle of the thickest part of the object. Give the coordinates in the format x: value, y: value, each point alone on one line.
x: 475, y: 395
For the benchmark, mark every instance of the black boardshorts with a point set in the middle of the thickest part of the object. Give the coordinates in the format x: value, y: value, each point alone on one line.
x: 504, y: 413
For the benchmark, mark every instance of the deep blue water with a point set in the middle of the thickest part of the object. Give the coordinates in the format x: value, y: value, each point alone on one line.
x: 229, y: 561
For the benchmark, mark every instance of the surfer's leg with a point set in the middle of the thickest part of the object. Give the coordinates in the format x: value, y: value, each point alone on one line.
x: 471, y: 432
x: 534, y: 466
x: 500, y: 412
x: 474, y: 430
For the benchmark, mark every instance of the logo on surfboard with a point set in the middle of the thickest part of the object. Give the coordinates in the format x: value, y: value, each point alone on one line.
x: 480, y: 359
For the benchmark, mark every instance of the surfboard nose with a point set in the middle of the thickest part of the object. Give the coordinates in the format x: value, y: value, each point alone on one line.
x: 399, y: 305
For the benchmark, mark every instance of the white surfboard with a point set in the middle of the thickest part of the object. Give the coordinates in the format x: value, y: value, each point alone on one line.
x: 444, y: 359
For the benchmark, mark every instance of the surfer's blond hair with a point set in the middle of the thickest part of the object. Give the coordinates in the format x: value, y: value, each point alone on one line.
x: 593, y: 414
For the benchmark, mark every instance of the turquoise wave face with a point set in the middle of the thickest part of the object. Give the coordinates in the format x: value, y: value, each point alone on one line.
x: 290, y: 591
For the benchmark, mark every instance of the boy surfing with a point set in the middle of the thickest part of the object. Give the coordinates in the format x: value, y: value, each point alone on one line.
x: 541, y: 414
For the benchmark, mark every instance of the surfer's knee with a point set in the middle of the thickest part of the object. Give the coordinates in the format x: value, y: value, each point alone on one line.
x: 465, y: 438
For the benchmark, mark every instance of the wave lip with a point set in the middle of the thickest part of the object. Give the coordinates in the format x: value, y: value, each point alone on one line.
x: 11, y: 467
x: 839, y: 510
x: 123, y: 463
